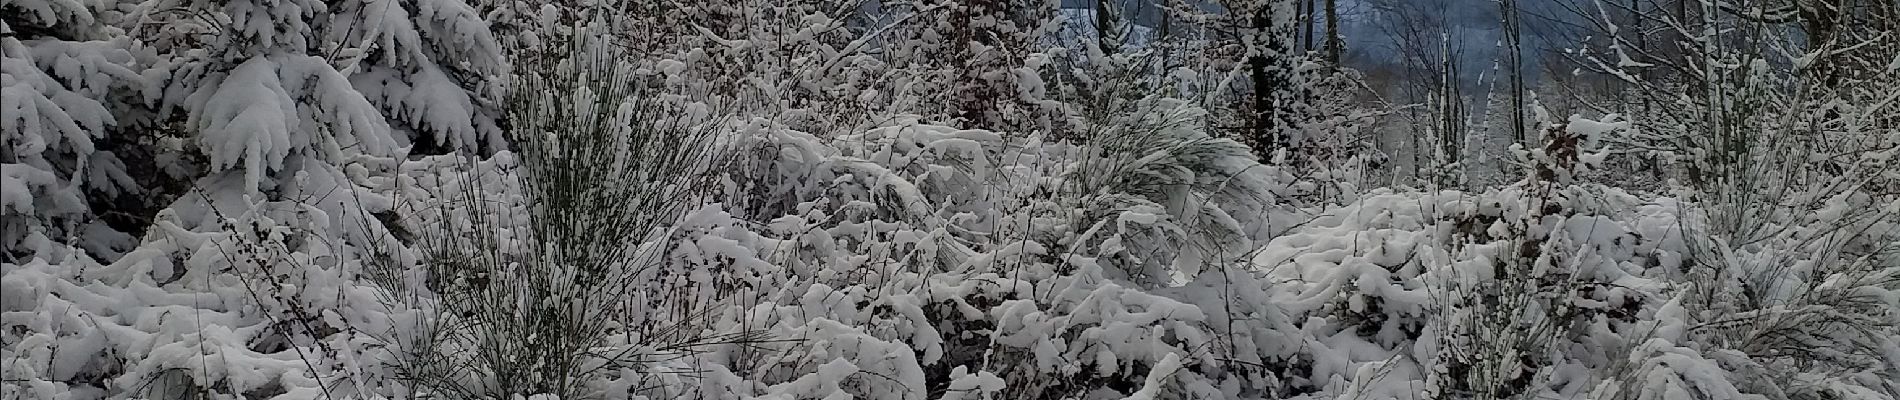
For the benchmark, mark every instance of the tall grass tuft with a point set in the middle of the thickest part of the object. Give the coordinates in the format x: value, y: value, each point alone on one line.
x: 537, y: 273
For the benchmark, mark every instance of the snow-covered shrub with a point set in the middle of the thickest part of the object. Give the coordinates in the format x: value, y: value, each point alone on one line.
x: 1803, y: 314
x: 923, y: 261
x: 1372, y: 284
x: 1789, y: 233
x: 1334, y: 152
x: 545, y: 290
x: 1787, y: 181
x: 1455, y: 294
x: 1793, y: 306
x: 1495, y: 323
x: 826, y: 67
x: 1558, y: 288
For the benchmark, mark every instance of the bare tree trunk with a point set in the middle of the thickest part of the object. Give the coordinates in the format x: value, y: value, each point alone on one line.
x: 1334, y: 42
x: 1166, y: 25
x: 1306, y: 22
x: 1451, y: 123
x: 1261, y: 76
x: 1508, y: 9
x: 1164, y: 33
x: 1270, y: 73
x: 1649, y: 162
x: 1105, y: 31
x: 990, y: 23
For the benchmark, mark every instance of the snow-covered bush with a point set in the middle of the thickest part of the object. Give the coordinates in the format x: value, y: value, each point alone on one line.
x: 1556, y: 287
x: 1789, y: 224
x: 1003, y: 266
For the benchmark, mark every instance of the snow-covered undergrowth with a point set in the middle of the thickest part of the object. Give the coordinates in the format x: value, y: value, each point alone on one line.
x: 919, y: 261
x: 1550, y: 288
x: 923, y: 261
x: 1621, y: 307
x: 320, y: 250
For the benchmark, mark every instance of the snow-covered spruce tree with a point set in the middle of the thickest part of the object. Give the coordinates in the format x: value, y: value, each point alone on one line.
x: 247, y: 285
x: 432, y: 66
x: 64, y: 74
x: 67, y: 74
